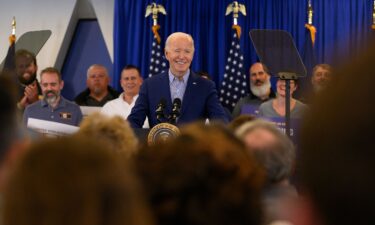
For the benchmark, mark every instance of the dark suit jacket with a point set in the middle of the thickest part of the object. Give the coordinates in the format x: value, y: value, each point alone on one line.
x: 200, y: 101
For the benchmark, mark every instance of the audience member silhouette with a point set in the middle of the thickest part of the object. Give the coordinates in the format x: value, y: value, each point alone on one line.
x: 13, y: 141
x: 73, y: 181
x: 204, y: 176
x: 337, y: 157
x: 113, y: 131
x: 275, y: 152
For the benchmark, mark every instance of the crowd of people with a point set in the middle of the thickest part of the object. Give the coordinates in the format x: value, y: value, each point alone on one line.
x: 195, y: 93
x: 220, y: 169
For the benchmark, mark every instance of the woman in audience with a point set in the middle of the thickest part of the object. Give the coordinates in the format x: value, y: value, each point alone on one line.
x: 276, y: 107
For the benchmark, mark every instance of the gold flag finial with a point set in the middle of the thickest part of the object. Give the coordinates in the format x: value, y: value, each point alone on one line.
x: 236, y: 8
x: 155, y: 9
x: 12, y: 37
x: 373, y: 16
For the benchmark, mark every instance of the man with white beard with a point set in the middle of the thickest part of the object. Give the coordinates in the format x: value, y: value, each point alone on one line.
x: 260, y: 91
x: 53, y: 107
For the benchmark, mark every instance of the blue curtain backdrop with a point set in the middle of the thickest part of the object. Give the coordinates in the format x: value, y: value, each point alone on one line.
x: 343, y: 27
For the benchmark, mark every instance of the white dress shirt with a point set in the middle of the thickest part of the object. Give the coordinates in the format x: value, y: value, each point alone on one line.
x: 120, y: 107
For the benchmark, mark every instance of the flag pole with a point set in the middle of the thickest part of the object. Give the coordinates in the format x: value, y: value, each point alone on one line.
x: 9, y: 62
x: 154, y: 9
x: 309, y: 25
x: 233, y: 86
x: 12, y: 37
x: 236, y: 8
x: 157, y: 62
x: 310, y: 13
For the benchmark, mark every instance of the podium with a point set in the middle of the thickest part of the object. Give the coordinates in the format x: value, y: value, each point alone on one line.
x: 141, y: 134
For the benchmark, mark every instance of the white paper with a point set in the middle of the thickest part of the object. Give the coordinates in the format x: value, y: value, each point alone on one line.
x: 87, y: 110
x: 50, y: 128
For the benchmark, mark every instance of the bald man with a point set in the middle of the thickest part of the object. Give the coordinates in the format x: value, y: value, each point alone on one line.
x: 98, y: 91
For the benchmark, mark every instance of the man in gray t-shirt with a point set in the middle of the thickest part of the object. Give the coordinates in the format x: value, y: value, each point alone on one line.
x: 53, y: 107
x: 260, y: 90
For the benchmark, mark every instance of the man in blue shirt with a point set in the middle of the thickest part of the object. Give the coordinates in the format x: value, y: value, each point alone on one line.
x: 53, y: 107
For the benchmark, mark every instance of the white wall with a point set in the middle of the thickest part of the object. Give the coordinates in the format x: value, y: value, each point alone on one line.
x: 59, y: 16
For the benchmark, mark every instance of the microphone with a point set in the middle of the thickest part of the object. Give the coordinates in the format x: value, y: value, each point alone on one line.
x: 160, y: 110
x: 176, y: 110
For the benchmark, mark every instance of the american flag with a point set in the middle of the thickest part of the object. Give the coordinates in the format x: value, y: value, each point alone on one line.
x: 234, y: 85
x: 158, y: 63
x: 9, y: 62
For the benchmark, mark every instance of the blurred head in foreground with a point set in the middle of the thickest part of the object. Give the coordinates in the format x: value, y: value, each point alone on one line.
x: 73, y: 181
x: 337, y: 148
x: 112, y: 131
x: 275, y: 152
x: 204, y: 176
x: 271, y: 147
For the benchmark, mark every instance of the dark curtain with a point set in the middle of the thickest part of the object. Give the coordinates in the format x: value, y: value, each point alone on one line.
x: 343, y: 27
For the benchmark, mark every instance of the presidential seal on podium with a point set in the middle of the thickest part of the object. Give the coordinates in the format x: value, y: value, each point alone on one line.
x: 162, y: 132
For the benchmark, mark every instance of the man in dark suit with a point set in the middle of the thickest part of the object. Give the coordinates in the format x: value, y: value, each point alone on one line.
x: 198, y: 95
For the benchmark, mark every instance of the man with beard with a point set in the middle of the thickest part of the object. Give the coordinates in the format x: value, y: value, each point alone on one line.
x: 98, y: 91
x: 260, y: 90
x: 26, y: 68
x: 53, y: 107
x: 320, y: 77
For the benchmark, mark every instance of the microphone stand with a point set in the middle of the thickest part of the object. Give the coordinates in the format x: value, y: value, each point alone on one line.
x: 287, y: 76
x: 160, y: 111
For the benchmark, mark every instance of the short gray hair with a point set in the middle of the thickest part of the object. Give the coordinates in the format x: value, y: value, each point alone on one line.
x: 324, y: 66
x: 96, y: 66
x: 277, y: 157
x: 182, y: 34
